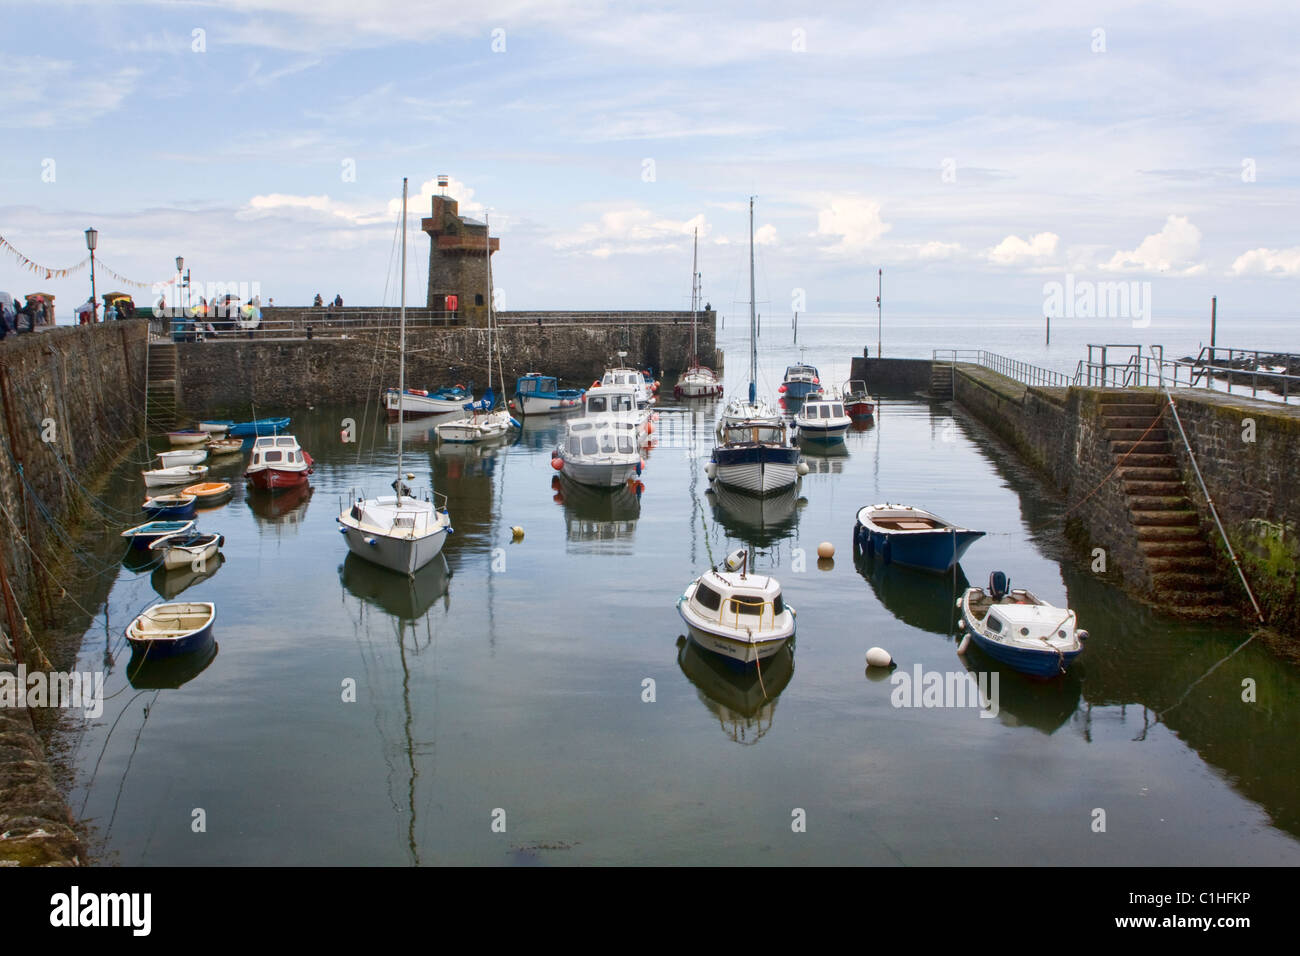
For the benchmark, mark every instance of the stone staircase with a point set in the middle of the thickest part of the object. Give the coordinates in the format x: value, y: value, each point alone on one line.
x: 163, y: 388
x: 941, y: 379
x: 1180, y: 565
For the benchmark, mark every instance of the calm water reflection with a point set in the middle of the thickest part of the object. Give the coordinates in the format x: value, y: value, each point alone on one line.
x: 356, y: 717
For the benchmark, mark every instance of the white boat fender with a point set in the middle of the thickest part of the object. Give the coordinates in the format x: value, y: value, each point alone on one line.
x: 965, y: 643
x: 879, y: 657
x: 803, y: 468
x: 711, y: 470
x: 370, y: 541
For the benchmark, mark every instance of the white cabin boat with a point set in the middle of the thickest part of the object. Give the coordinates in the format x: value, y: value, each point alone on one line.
x: 822, y: 419
x: 1017, y: 628
x: 735, y: 613
x: 601, y: 450
x: 626, y: 376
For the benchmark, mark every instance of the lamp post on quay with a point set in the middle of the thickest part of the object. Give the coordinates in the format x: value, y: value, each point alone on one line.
x: 92, y: 240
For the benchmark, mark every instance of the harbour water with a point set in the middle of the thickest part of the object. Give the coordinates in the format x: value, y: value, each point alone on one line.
x: 540, y: 687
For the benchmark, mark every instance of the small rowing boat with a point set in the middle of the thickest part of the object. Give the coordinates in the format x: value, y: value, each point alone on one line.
x: 159, y: 477
x: 165, y: 630
x: 193, y: 550
x: 901, y: 534
x: 143, y: 535
x: 186, y: 438
x: 224, y: 446
x: 179, y: 505
x: 208, y: 493
x: 187, y: 456
x: 260, y: 426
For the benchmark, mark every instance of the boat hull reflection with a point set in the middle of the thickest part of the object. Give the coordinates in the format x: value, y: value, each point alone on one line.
x: 919, y: 599
x: 405, y: 597
x: 743, y: 699
x: 168, y: 673
x: 168, y: 584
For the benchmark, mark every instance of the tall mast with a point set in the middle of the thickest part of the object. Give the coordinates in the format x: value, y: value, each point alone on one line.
x: 695, y: 299
x: 753, y: 346
x: 401, y: 375
x: 487, y: 242
x: 880, y: 284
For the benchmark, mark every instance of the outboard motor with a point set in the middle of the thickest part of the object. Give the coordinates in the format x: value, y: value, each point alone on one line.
x: 998, y: 585
x: 736, y: 560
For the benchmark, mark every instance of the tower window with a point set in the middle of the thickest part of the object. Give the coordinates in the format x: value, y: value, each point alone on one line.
x: 478, y: 298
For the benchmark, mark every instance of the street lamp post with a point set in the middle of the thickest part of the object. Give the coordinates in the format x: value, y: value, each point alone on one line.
x: 92, y: 240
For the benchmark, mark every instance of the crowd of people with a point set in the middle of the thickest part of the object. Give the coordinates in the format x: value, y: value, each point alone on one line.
x: 16, y: 318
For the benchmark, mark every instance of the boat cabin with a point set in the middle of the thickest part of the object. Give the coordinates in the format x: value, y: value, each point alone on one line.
x: 606, y: 400
x: 802, y: 373
x: 750, y: 601
x: 276, y: 451
x: 600, y: 437
x: 765, y: 431
x: 533, y: 384
x: 822, y: 409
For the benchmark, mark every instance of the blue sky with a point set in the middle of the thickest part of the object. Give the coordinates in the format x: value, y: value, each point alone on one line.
x: 974, y: 152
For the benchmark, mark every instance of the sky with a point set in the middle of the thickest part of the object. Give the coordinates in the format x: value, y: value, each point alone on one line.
x: 981, y: 155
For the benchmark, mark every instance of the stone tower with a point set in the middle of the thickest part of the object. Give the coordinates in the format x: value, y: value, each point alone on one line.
x: 458, y: 250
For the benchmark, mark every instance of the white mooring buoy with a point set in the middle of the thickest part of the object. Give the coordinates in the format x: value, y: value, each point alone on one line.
x: 879, y: 657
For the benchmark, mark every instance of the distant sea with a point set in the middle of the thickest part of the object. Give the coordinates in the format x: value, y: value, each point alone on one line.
x: 832, y: 339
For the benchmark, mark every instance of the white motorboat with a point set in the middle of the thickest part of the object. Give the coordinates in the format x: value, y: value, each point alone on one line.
x: 184, y: 456
x: 822, y: 419
x: 180, y: 474
x: 601, y: 450
x: 399, y: 531
x: 736, y: 613
x: 626, y: 376
x: 421, y: 403
x: 619, y: 402
x: 1018, y: 629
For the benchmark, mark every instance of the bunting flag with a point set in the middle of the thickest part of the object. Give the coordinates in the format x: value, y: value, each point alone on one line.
x: 99, y: 265
x: 36, y: 267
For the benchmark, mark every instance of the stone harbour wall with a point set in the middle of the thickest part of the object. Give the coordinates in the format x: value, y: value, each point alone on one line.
x: 276, y: 374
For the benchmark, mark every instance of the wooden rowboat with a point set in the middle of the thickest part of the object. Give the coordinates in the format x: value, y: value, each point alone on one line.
x: 225, y: 446
x: 159, y: 477
x: 180, y: 505
x: 187, y: 437
x: 143, y: 535
x: 208, y: 493
x: 165, y: 630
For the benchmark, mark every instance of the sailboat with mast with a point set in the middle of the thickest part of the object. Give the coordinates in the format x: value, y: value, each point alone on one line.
x: 483, y: 422
x: 399, y: 531
x: 755, y: 453
x: 698, y: 381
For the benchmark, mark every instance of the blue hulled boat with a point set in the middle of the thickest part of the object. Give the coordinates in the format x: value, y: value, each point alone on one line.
x: 261, y: 426
x: 170, y: 506
x: 143, y: 535
x: 537, y: 394
x: 1016, y: 628
x: 901, y: 534
x: 800, y: 382
x: 167, y: 630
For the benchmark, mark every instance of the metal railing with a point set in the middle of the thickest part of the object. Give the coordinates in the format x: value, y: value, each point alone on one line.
x: 1150, y: 369
x: 1024, y: 372
x: 741, y: 606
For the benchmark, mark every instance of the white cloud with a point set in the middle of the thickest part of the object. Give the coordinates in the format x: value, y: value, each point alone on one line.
x: 937, y: 250
x: 765, y: 235
x: 323, y: 207
x: 630, y: 230
x: 1172, y: 249
x: 1284, y: 262
x: 1016, y: 251
x: 853, y: 220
